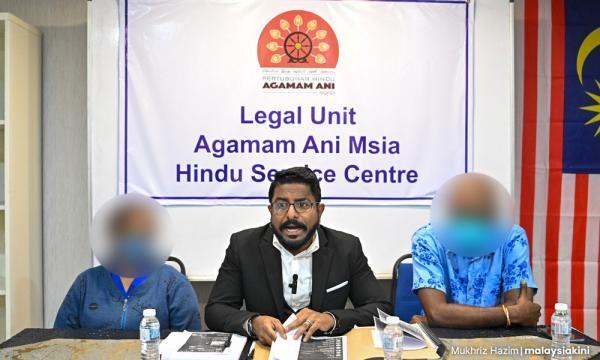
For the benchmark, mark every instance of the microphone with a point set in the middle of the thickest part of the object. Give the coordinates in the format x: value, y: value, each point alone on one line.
x: 294, y: 284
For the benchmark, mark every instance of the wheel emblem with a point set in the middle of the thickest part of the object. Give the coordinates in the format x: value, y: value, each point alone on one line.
x: 297, y: 47
x: 298, y: 38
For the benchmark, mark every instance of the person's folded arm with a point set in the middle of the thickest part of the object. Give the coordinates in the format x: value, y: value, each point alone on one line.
x: 184, y: 312
x: 366, y: 295
x: 517, y: 267
x: 440, y: 313
x: 429, y: 283
x: 222, y: 311
x: 68, y: 313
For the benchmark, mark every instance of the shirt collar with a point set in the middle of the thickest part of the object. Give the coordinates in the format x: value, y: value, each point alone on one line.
x: 119, y: 284
x: 309, y: 251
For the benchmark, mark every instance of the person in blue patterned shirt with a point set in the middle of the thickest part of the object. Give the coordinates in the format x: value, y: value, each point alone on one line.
x: 471, y: 264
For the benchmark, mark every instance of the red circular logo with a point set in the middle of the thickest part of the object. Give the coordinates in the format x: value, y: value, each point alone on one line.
x: 298, y: 39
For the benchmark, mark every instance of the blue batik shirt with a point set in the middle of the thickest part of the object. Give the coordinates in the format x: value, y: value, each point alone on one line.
x: 97, y: 300
x: 475, y: 281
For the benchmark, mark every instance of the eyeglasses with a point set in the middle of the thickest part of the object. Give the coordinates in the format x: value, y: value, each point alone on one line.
x: 302, y: 206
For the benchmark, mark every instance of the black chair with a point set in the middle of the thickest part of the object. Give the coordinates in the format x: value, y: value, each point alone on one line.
x: 178, y: 262
x: 404, y: 302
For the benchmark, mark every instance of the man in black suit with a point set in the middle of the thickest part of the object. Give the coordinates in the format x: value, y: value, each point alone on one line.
x: 294, y: 265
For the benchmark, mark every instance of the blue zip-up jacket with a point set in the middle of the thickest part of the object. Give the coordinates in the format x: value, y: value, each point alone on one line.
x: 96, y: 302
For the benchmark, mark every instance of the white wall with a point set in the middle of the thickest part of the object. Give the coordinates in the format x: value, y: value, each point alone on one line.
x: 493, y: 142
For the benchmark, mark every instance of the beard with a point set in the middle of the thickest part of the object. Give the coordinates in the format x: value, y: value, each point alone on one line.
x: 295, y: 245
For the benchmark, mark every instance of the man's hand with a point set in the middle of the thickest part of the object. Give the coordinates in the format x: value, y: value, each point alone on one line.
x: 416, y: 319
x: 308, y: 321
x: 524, y: 312
x: 265, y: 328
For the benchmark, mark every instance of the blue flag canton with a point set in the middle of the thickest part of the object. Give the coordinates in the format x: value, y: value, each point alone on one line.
x: 581, y: 132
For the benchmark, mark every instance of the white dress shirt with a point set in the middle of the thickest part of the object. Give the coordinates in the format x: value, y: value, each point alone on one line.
x: 300, y: 265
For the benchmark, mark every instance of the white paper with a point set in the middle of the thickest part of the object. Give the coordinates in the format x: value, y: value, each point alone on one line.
x: 419, y: 336
x: 382, y: 316
x: 377, y: 341
x: 286, y: 349
x: 287, y: 322
x: 169, y: 347
x: 412, y: 329
x: 344, y: 343
x: 173, y: 342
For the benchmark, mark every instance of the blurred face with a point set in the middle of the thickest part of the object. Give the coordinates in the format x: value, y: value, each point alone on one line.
x: 295, y: 215
x: 471, y: 215
x: 472, y: 197
x: 134, y: 222
x: 133, y: 233
x: 130, y: 235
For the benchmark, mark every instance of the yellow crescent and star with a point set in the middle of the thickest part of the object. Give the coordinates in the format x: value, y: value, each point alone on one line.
x: 591, y: 42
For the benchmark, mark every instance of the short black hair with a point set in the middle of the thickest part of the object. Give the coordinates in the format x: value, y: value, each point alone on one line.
x: 297, y: 175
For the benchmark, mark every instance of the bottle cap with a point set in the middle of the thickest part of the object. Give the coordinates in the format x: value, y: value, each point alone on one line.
x: 393, y: 320
x: 561, y: 307
x: 149, y: 312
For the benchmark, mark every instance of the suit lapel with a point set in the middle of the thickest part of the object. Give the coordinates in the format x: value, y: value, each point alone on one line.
x: 320, y: 271
x: 272, y: 261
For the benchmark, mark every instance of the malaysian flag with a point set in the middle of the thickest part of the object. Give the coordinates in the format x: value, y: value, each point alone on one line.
x: 557, y: 74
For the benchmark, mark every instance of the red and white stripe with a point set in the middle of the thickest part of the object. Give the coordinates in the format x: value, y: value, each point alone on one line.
x: 561, y: 212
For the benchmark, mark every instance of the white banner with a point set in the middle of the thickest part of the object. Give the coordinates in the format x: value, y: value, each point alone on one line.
x: 218, y: 95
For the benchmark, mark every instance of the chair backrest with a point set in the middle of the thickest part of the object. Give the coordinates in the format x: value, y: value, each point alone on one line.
x: 404, y: 301
x: 178, y: 262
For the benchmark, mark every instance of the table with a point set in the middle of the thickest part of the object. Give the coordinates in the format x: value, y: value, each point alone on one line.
x: 360, y: 343
x: 30, y: 336
x: 359, y: 347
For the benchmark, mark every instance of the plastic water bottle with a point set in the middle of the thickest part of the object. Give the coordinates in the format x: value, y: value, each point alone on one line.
x: 150, y: 335
x: 561, y: 332
x: 392, y: 339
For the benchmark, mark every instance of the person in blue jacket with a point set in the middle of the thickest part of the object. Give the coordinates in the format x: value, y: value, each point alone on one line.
x: 128, y: 243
